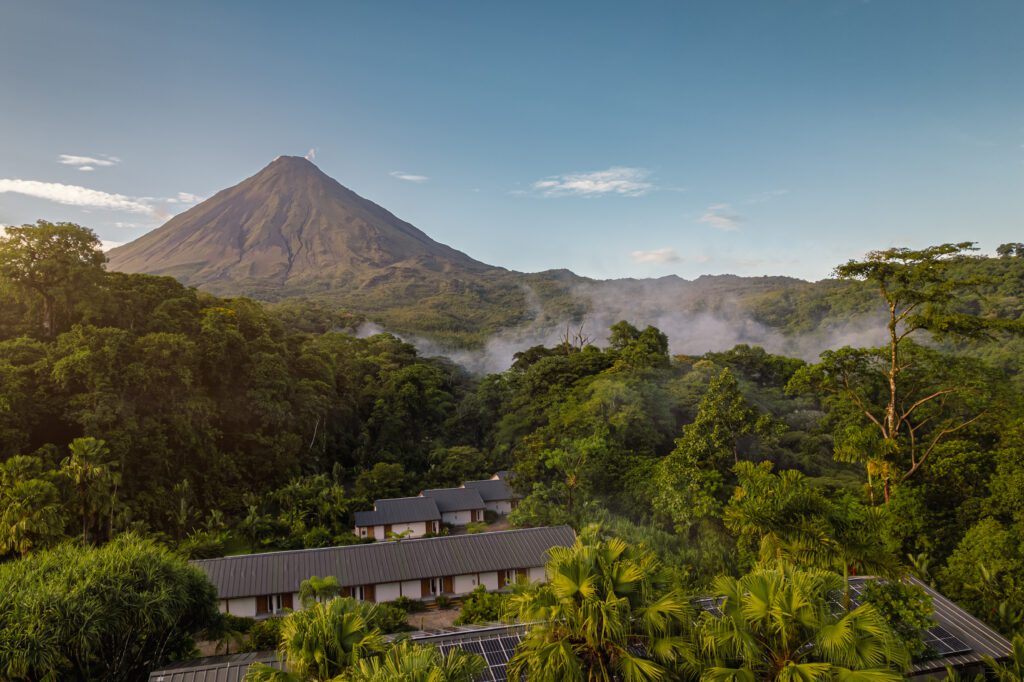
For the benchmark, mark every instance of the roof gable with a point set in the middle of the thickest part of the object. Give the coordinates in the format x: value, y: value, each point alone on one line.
x: 399, y: 510
x: 455, y: 499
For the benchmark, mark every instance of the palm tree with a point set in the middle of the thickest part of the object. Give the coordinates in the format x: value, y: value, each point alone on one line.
x: 407, y: 662
x: 31, y: 516
x: 317, y: 589
x: 776, y: 623
x: 321, y: 642
x: 94, y: 478
x: 605, y: 614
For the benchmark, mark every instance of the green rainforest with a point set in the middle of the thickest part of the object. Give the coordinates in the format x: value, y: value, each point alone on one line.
x: 144, y: 423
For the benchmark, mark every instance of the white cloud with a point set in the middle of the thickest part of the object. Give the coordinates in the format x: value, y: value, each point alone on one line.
x: 665, y: 255
x: 721, y: 217
x: 74, y: 195
x: 408, y: 177
x: 88, y: 163
x: 311, y: 154
x: 185, y: 198
x: 630, y: 182
x: 107, y: 245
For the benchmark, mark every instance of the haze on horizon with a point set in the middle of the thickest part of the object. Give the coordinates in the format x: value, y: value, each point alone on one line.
x: 616, y: 141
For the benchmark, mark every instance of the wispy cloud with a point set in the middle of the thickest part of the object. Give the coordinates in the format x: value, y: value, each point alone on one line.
x: 620, y: 180
x: 721, y: 217
x: 88, y: 163
x: 84, y: 197
x: 665, y: 255
x: 409, y: 177
x: 107, y: 245
x: 74, y: 195
x: 311, y: 154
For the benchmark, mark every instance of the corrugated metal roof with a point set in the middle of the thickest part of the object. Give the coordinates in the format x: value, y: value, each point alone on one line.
x: 384, y: 562
x: 230, y: 668
x: 455, y: 499
x: 399, y: 510
x: 983, y: 640
x: 492, y: 490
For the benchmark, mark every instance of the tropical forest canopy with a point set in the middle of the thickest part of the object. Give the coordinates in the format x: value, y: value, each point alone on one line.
x: 132, y: 403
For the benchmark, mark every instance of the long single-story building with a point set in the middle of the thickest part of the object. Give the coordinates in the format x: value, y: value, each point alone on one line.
x: 258, y: 585
x: 415, y: 516
x: 458, y: 506
x: 496, y: 494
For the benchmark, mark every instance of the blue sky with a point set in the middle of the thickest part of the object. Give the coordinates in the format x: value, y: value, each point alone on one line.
x: 614, y: 139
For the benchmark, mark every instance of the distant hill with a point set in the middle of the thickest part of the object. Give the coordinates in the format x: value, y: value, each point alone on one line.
x: 292, y: 235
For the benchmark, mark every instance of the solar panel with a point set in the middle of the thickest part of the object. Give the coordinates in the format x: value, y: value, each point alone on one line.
x: 941, y: 642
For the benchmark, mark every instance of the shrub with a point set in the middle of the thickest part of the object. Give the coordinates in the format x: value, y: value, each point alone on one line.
x: 907, y: 608
x: 315, y: 537
x: 100, y: 613
x: 409, y: 605
x: 265, y: 634
x: 202, y: 544
x: 481, y: 606
x: 443, y: 602
x: 476, y: 527
x: 390, y: 619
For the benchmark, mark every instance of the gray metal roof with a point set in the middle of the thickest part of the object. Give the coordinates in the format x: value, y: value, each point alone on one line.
x: 455, y: 499
x: 399, y: 510
x: 492, y: 490
x: 384, y: 562
x: 230, y: 668
x: 982, y: 640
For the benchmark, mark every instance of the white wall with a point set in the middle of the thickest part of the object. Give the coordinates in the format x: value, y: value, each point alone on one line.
x: 387, y: 592
x: 464, y: 584
x: 503, y: 507
x: 536, y: 574
x: 489, y: 580
x: 412, y: 589
x: 244, y: 607
x: 459, y: 518
x: 418, y: 530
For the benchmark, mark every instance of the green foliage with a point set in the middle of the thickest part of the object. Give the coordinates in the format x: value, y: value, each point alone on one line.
x: 777, y: 624
x: 316, y: 589
x: 408, y: 662
x: 906, y: 607
x: 111, y: 613
x: 481, y: 606
x: 390, y: 618
x: 408, y: 604
x: 264, y: 635
x: 605, y: 613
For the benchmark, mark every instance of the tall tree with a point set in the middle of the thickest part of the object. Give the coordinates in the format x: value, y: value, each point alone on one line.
x: 94, y: 477
x: 922, y: 292
x: 58, y: 263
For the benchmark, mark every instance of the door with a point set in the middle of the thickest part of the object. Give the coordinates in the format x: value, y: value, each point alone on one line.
x: 262, y: 605
x: 369, y: 532
x: 425, y: 590
x: 370, y: 593
x: 449, y: 586
x: 501, y: 579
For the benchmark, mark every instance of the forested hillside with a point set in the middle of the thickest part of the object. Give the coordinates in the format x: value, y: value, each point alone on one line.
x: 214, y: 425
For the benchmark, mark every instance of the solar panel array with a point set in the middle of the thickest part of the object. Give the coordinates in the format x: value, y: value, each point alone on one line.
x: 497, y: 651
x: 939, y: 641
